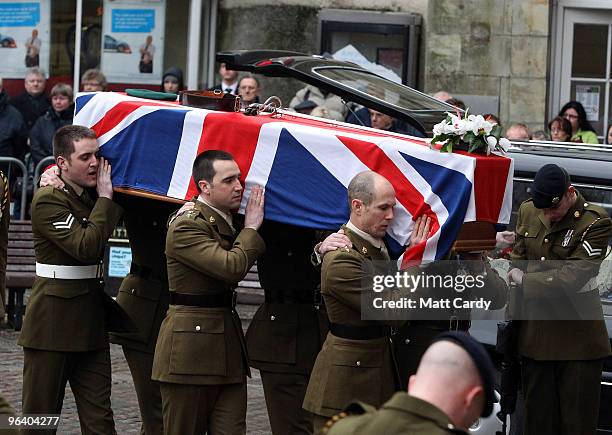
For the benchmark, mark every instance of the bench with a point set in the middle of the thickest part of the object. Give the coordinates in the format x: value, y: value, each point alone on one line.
x: 20, y: 269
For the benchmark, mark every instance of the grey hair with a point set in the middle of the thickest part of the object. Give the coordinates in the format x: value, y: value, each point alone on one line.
x: 36, y: 71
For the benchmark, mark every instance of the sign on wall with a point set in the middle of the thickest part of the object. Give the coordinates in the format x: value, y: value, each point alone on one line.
x: 133, y: 40
x: 24, y: 36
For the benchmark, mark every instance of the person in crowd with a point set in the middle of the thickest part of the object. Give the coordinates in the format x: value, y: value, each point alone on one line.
x: 562, y: 357
x: 442, y: 96
x: 172, y: 80
x: 200, y: 360
x: 93, y: 80
x: 385, y: 122
x: 582, y: 130
x: 452, y: 388
x: 609, y: 135
x: 32, y: 45
x: 59, y: 114
x: 456, y: 102
x: 65, y: 330
x: 32, y: 103
x: 540, y: 135
x: 14, y: 132
x: 229, y: 80
x: 147, y: 53
x: 248, y: 89
x: 343, y: 283
x: 334, y: 105
x: 518, y: 132
x: 560, y: 129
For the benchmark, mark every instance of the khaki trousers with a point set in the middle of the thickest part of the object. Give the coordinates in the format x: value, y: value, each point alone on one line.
x: 199, y: 409
x: 147, y: 391
x: 284, y: 393
x: 45, y: 374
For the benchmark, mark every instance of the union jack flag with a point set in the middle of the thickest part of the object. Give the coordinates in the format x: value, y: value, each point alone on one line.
x: 305, y: 165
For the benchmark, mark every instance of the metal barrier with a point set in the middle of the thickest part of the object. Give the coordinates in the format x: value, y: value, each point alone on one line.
x: 42, y: 164
x: 24, y: 184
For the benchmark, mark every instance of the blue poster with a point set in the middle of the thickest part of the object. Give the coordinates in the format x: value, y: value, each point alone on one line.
x: 19, y: 14
x: 119, y: 261
x: 133, y: 20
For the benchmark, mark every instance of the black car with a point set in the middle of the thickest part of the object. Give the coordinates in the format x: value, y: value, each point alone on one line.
x: 7, y: 41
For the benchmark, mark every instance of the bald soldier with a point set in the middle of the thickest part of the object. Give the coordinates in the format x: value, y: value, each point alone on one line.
x: 453, y: 386
x: 356, y: 361
x: 562, y: 359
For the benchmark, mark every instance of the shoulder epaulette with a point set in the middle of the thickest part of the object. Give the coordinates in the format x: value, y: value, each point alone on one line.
x: 584, y: 233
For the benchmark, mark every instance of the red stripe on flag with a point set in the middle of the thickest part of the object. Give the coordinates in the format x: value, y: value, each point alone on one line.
x: 412, y: 200
x: 114, y: 116
x: 234, y: 133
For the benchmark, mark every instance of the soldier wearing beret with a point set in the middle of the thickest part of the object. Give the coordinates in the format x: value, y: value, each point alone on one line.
x: 65, y: 331
x: 453, y: 386
x: 200, y: 357
x: 562, y: 359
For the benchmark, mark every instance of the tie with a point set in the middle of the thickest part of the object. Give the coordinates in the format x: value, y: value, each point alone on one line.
x: 228, y: 90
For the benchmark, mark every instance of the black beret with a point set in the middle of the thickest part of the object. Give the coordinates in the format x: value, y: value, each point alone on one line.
x: 482, y: 361
x: 549, y: 186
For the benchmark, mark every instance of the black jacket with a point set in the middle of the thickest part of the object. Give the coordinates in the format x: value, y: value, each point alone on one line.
x: 31, y: 108
x: 13, y: 134
x: 41, y: 135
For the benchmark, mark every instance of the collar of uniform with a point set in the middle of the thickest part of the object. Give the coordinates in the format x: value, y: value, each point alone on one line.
x: 84, y: 196
x: 363, y: 245
x: 575, y: 212
x: 403, y: 402
x: 377, y: 243
x: 215, y: 217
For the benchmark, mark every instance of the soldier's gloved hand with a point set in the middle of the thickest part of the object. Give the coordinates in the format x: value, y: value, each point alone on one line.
x: 516, y: 275
x: 51, y: 177
x: 504, y: 239
x: 333, y: 242
x: 254, y: 212
x: 420, y: 230
x: 104, y: 184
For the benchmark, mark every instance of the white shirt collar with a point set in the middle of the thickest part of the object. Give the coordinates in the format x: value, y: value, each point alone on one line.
x: 226, y: 216
x: 377, y: 243
x: 231, y: 86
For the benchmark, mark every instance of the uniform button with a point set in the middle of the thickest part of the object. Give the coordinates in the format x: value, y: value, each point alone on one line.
x: 154, y: 223
x: 586, y: 204
x: 101, y: 282
x: 545, y: 240
x: 133, y: 290
x: 289, y: 254
x: 526, y: 233
x: 272, y: 317
x: 407, y: 341
x: 198, y: 327
x: 543, y: 258
x: 358, y: 363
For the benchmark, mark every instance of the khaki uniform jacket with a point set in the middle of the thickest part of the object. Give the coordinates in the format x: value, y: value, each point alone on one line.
x: 581, y: 237
x: 144, y: 296
x: 348, y: 370
x: 204, y: 346
x: 70, y: 315
x: 5, y: 218
x: 286, y: 337
x: 401, y: 415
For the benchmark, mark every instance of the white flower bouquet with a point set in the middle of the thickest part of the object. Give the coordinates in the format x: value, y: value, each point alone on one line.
x: 471, y: 133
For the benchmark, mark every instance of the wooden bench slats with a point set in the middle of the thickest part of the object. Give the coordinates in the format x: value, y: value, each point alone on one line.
x: 21, y: 269
x: 21, y: 244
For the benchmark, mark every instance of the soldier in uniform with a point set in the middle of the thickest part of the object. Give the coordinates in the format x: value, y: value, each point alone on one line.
x: 200, y: 357
x: 356, y: 361
x: 562, y: 359
x: 451, y: 389
x: 287, y: 331
x: 64, y: 334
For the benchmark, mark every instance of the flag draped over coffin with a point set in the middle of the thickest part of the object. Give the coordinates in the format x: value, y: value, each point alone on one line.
x: 304, y: 164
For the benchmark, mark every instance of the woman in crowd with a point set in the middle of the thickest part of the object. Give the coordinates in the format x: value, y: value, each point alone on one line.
x: 172, y: 80
x: 582, y: 131
x: 560, y: 129
x: 609, y: 135
x: 58, y: 115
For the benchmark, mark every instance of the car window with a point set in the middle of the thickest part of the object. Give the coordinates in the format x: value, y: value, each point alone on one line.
x: 382, y: 89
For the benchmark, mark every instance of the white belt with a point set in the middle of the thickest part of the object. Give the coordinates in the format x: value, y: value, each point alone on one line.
x: 69, y: 272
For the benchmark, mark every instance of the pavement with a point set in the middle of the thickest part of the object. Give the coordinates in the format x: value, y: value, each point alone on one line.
x: 123, y: 396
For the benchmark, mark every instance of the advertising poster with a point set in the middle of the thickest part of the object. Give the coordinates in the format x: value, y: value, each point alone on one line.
x: 588, y: 96
x: 24, y: 37
x: 133, y: 41
x: 119, y: 261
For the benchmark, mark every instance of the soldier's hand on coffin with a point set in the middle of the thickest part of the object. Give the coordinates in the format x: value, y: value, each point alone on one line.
x: 51, y: 177
x: 505, y: 238
x: 516, y: 275
x: 420, y: 230
x: 333, y: 242
x: 254, y: 213
x: 104, y: 185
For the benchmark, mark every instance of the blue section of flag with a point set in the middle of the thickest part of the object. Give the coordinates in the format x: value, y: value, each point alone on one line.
x: 301, y: 191
x: 454, y: 190
x: 143, y: 155
x: 81, y: 101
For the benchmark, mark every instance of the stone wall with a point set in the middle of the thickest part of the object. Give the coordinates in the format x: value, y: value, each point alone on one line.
x: 490, y: 47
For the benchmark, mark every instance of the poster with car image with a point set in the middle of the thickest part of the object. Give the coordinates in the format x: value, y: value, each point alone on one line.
x: 24, y: 36
x: 133, y: 40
